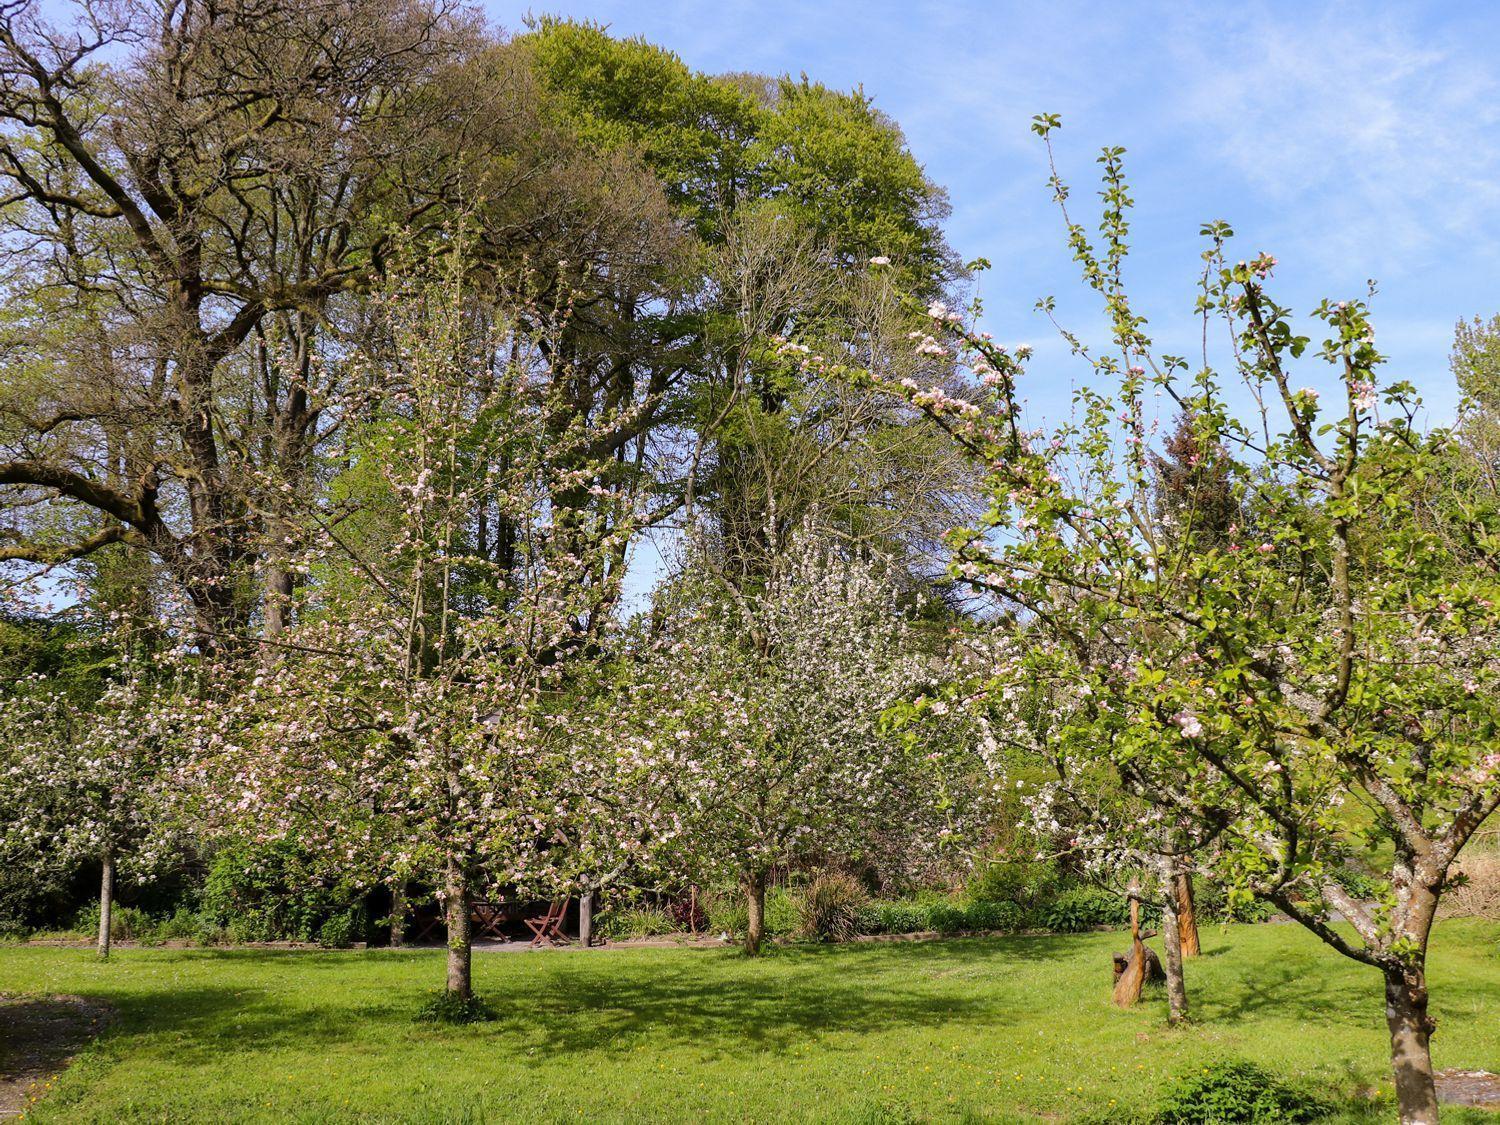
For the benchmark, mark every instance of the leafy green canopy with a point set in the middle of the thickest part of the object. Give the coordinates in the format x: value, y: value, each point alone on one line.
x: 828, y: 159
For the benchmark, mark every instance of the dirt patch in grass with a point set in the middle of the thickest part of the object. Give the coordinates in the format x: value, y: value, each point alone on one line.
x: 39, y: 1035
x: 1468, y: 1087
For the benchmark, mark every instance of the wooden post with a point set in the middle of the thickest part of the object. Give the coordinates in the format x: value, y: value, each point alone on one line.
x: 586, y: 918
x: 1187, y: 918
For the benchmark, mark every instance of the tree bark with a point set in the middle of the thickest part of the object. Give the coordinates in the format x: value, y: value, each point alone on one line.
x: 755, y: 909
x: 398, y: 915
x: 278, y: 598
x: 1187, y: 917
x: 1171, y: 938
x: 586, y: 919
x: 1411, y: 1057
x: 460, y: 937
x: 106, y: 906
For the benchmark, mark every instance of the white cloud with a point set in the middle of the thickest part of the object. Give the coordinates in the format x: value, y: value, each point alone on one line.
x: 1373, y: 137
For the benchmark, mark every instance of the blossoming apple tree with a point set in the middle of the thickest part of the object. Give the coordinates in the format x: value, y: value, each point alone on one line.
x: 93, y: 784
x: 420, y: 722
x: 1314, y: 687
x: 776, y: 700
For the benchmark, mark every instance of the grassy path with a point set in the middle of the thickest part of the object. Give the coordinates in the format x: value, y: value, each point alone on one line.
x: 980, y: 1029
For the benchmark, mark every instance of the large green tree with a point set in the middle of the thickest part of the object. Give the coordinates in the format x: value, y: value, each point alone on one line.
x: 790, y: 188
x: 200, y: 199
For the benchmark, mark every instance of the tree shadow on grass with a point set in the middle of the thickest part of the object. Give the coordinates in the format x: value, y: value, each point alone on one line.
x: 743, y: 1014
x: 1291, y: 990
x: 321, y: 960
x: 722, y: 1004
x: 726, y: 1004
x: 741, y: 1017
x: 1049, y: 947
x: 210, y: 1016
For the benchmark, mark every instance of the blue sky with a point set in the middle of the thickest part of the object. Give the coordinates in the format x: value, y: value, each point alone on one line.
x: 1351, y: 141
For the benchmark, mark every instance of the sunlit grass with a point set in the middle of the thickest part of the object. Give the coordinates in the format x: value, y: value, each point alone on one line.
x: 1010, y: 1029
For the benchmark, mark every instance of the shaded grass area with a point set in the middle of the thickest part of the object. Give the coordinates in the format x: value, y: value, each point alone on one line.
x: 1013, y: 1029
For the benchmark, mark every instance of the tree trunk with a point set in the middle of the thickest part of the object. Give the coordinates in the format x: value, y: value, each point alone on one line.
x: 278, y: 597
x: 1187, y: 917
x: 460, y: 938
x: 1171, y: 938
x: 398, y: 915
x: 586, y: 919
x: 1411, y: 1058
x: 106, y: 906
x: 755, y: 908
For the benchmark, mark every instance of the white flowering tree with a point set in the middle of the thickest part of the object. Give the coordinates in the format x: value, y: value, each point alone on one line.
x: 617, y: 797
x: 1037, y: 739
x: 420, y: 722
x: 1311, y: 687
x: 774, y: 702
x: 92, y: 784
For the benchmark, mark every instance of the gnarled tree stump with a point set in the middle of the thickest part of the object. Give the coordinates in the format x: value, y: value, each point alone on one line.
x: 1134, y: 969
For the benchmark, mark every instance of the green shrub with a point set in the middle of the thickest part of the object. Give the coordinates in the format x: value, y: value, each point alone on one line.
x: 183, y: 924
x: 338, y: 930
x: 210, y: 932
x: 727, y: 913
x: 126, y: 923
x: 947, y: 918
x: 783, y: 915
x: 944, y: 916
x: 1224, y: 1093
x: 1027, y: 884
x: 269, y: 894
x: 1007, y: 916
x: 86, y: 924
x: 941, y: 915
x: 1213, y: 905
x: 899, y: 918
x: 1082, y: 908
x: 831, y: 906
x: 446, y: 1007
x: 625, y: 922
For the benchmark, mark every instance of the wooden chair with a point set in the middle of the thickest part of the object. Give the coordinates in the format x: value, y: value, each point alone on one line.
x: 547, y: 929
x: 431, y: 927
x: 488, y: 919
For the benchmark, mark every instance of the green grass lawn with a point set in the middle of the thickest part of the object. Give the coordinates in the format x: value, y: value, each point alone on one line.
x: 986, y: 1029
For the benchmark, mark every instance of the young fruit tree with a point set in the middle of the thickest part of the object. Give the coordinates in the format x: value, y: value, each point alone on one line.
x: 777, y: 700
x: 617, y: 802
x: 1068, y: 807
x: 1314, y: 688
x: 418, y: 723
x: 92, y: 784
